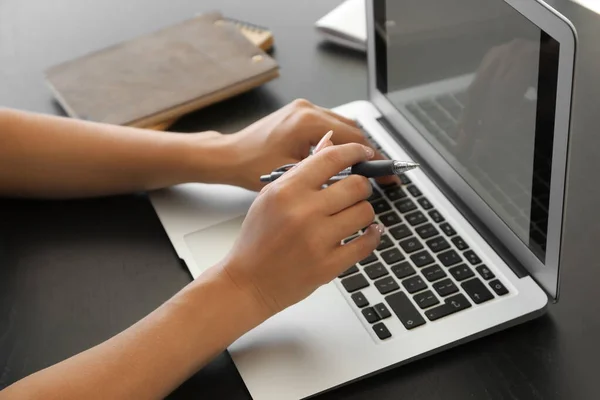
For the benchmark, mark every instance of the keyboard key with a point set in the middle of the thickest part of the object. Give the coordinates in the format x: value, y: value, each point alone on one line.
x: 445, y: 287
x: 472, y: 257
x: 426, y: 231
x: 403, y: 270
x: 376, y: 195
x: 414, y: 284
x: 382, y: 311
x: 460, y: 243
x: 382, y: 331
x: 400, y: 232
x: 389, y: 219
x: 352, y: 270
x: 422, y: 258
x: 448, y: 230
x: 485, y: 272
x: 416, y: 218
x: 370, y: 315
x: 449, y: 258
x: 452, y: 304
x: 371, y: 258
x: 405, y: 205
x: 425, y: 203
x: 437, y: 244
x: 395, y: 193
x: 426, y: 299
x: 387, y: 186
x: 386, y: 285
x: 375, y: 271
x: 360, y: 300
x: 392, y: 256
x: 411, y: 245
x: 404, y: 310
x: 414, y: 190
x: 433, y: 273
x: 498, y: 287
x: 385, y: 243
x: 380, y: 206
x: 405, y: 179
x: 477, y: 291
x: 355, y: 282
x: 436, y: 216
x: 461, y: 272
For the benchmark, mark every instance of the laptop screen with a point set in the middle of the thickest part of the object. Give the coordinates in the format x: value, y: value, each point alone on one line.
x: 478, y: 81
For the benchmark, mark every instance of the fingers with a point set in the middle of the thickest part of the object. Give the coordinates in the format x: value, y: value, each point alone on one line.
x: 346, y: 193
x: 314, y: 120
x: 354, y: 135
x: 318, y: 169
x: 359, y: 248
x: 351, y: 220
x: 340, y: 118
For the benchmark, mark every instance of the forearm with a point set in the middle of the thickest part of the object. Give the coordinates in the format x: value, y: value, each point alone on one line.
x: 45, y: 156
x: 153, y: 357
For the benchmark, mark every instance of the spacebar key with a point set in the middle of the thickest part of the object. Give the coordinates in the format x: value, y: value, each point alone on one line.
x: 404, y: 309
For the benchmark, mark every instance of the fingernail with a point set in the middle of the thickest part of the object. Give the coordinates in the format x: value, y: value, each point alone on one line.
x: 323, y: 142
x: 379, y: 228
x: 369, y: 151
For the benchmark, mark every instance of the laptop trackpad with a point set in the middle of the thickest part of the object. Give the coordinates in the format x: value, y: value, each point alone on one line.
x: 210, y: 245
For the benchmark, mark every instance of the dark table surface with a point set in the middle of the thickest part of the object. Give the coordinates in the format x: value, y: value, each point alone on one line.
x: 74, y: 273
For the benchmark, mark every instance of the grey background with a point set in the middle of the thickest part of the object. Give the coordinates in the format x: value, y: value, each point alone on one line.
x: 73, y: 273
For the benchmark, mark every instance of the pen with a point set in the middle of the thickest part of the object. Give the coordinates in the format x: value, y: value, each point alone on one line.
x: 369, y: 169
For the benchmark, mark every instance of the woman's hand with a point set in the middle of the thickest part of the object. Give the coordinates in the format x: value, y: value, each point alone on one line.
x: 290, y: 243
x: 286, y: 137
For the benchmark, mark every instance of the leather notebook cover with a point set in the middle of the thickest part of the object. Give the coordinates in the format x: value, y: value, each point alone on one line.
x: 162, y: 75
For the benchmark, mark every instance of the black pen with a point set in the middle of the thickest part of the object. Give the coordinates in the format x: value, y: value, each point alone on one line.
x: 369, y: 169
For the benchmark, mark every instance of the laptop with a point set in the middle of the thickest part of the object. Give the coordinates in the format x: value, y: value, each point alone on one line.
x: 472, y: 243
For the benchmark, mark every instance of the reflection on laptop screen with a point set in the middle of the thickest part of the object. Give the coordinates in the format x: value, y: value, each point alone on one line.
x: 478, y: 81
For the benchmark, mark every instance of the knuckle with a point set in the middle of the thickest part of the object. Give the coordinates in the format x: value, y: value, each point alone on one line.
x: 280, y: 194
x: 301, y: 103
x: 303, y: 116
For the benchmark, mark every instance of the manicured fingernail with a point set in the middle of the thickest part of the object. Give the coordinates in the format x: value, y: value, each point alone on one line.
x: 323, y: 142
x: 379, y: 228
x: 369, y: 151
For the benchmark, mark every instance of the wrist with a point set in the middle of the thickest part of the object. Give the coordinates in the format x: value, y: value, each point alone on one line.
x: 208, y: 157
x: 239, y: 310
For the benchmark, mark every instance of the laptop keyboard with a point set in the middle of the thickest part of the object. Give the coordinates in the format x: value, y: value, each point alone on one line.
x: 423, y: 269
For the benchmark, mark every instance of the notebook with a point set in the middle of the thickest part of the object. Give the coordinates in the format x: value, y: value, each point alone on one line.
x: 163, y: 75
x: 260, y: 36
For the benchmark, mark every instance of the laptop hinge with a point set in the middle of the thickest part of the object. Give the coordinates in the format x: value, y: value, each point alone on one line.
x: 479, y: 226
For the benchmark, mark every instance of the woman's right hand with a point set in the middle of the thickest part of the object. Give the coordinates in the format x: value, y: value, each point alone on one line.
x: 290, y: 242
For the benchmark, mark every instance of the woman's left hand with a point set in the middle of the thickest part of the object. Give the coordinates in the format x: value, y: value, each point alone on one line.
x: 286, y: 136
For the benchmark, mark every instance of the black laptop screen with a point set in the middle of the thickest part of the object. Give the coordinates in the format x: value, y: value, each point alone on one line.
x: 478, y: 80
